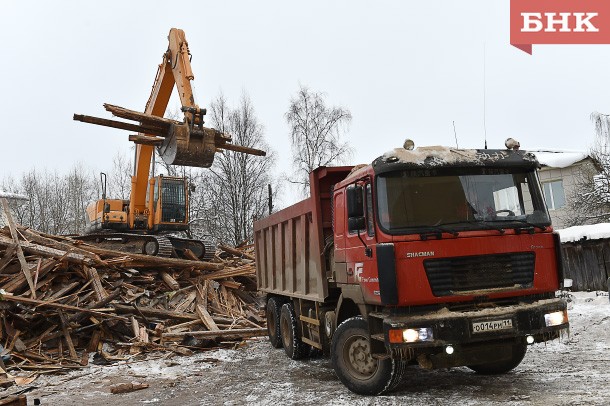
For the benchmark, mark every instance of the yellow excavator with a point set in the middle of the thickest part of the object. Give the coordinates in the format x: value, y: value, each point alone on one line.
x: 158, y: 206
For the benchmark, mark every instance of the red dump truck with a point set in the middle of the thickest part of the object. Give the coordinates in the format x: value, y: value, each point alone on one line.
x: 433, y: 256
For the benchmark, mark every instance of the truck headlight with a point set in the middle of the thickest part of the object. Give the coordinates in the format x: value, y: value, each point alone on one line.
x: 411, y: 335
x: 556, y: 318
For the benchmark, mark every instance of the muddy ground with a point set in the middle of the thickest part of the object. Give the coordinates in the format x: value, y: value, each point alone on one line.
x: 572, y: 371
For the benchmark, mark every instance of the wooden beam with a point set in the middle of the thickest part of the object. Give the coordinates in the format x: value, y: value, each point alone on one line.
x: 11, y: 298
x: 148, y: 311
x: 24, y: 265
x: 43, y: 251
x: 146, y: 129
x: 66, y: 331
x: 145, y: 261
x: 170, y: 281
x: 238, y: 332
x: 206, y: 318
x: 236, y: 252
x: 8, y: 256
x: 100, y: 292
x: 145, y: 140
x: 242, y: 149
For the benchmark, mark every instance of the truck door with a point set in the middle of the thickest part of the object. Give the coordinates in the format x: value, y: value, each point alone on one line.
x: 360, y: 250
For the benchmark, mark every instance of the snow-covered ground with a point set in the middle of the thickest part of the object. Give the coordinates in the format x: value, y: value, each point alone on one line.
x: 573, y: 370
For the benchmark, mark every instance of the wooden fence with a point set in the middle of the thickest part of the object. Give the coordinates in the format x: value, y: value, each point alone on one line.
x: 587, y: 263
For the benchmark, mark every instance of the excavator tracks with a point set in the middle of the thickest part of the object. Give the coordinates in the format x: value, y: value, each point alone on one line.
x: 155, y: 245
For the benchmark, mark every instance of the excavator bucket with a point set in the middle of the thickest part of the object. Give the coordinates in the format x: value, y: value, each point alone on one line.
x: 189, y: 147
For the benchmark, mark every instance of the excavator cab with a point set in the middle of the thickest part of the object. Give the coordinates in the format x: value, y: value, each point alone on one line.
x: 170, y: 202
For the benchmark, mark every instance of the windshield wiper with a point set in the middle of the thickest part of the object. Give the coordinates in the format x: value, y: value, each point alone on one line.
x: 531, y: 226
x: 487, y: 224
x: 438, y: 232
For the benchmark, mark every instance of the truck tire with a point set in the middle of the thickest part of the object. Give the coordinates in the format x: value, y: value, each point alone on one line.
x: 274, y: 306
x: 353, y: 364
x: 291, y: 339
x: 502, y: 367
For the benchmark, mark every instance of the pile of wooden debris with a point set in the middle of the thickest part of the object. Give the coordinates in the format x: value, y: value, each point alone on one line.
x: 64, y: 302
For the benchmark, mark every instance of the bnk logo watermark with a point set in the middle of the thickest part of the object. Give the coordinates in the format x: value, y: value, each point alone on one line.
x: 559, y: 22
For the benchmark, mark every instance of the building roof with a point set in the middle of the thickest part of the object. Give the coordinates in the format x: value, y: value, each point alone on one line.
x: 557, y: 158
x: 589, y: 232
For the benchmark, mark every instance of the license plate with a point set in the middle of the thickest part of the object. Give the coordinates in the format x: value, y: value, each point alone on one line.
x: 493, y: 325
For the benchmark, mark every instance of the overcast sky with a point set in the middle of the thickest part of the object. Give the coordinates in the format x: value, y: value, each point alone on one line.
x: 405, y: 69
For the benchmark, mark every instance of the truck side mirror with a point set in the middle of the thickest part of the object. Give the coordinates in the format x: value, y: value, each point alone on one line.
x: 355, y: 202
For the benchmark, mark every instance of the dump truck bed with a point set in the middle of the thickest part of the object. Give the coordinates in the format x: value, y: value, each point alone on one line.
x: 290, y: 258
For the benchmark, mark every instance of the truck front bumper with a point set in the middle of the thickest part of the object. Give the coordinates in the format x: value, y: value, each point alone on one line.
x: 543, y: 320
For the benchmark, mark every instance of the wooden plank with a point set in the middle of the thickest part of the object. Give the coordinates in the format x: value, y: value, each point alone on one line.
x: 48, y: 252
x: 236, y: 252
x: 147, y: 261
x: 143, y: 335
x: 100, y: 292
x: 240, y: 333
x: 145, y: 140
x: 19, y: 281
x: 49, y: 242
x: 127, y: 387
x: 206, y: 318
x: 43, y: 303
x: 7, y: 258
x: 66, y: 331
x: 148, y: 311
x: 24, y: 266
x: 135, y: 327
x: 186, y: 302
x: 94, y: 342
x: 64, y: 290
x: 170, y: 281
x: 18, y: 400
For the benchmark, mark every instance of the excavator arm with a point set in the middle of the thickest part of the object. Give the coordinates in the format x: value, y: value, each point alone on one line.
x: 174, y: 69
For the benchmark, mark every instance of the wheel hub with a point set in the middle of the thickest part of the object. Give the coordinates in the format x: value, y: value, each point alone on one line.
x: 359, y: 356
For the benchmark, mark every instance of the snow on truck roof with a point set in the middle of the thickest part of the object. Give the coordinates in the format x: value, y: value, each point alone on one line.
x: 438, y: 156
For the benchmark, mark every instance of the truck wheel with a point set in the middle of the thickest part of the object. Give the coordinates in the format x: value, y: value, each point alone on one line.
x: 274, y: 306
x: 356, y: 368
x: 291, y: 340
x: 501, y: 367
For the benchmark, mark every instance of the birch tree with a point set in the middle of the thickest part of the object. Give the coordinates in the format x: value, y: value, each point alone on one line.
x: 237, y: 183
x: 315, y: 134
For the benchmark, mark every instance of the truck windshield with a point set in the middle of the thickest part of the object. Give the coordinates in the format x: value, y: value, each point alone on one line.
x: 474, y: 199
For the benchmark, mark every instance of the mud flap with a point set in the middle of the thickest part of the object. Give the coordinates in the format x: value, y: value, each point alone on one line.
x: 386, y: 266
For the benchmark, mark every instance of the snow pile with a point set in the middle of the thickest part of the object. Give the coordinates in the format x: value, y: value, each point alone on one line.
x: 13, y: 196
x: 591, y: 232
x: 559, y: 159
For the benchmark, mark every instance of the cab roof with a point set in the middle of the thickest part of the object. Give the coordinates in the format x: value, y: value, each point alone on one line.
x: 439, y: 156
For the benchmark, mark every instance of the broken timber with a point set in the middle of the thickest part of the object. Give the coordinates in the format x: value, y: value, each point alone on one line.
x: 117, y: 304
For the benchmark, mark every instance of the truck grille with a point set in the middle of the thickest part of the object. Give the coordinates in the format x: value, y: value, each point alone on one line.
x: 450, y: 276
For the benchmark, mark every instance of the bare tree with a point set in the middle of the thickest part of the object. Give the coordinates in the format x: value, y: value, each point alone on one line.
x: 589, y: 203
x: 315, y: 133
x: 235, y: 190
x: 119, y: 178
